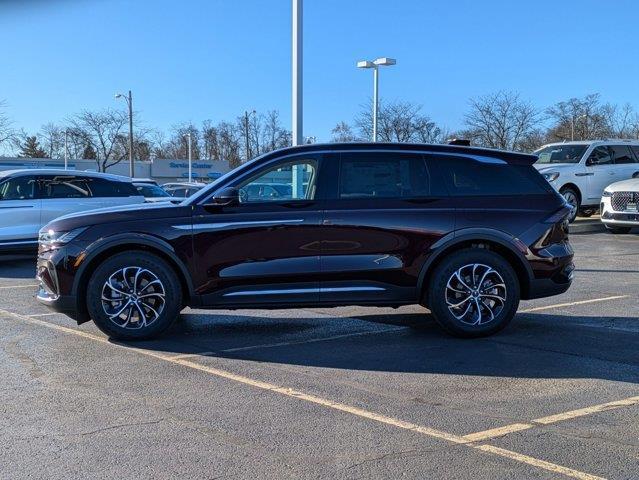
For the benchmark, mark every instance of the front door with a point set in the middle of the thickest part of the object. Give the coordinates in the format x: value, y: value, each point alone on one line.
x: 601, y: 172
x: 264, y: 250
x: 19, y: 211
x: 382, y: 216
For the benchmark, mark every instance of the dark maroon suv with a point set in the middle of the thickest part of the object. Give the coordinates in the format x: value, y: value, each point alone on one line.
x: 465, y: 232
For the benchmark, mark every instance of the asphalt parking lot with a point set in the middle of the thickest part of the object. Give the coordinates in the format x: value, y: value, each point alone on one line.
x: 334, y: 393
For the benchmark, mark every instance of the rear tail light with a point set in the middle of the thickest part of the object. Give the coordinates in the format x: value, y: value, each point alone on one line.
x: 559, y: 229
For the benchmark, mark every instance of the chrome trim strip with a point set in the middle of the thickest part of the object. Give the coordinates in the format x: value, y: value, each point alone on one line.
x: 219, y: 226
x: 303, y: 290
x: 19, y: 242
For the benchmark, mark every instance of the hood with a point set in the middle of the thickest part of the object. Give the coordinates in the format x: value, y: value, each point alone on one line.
x: 547, y: 167
x: 630, y: 185
x: 124, y: 213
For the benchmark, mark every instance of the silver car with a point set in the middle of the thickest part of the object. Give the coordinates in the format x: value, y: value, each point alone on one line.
x: 31, y: 198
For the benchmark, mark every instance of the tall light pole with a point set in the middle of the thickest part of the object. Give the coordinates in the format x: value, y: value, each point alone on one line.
x: 129, y: 101
x: 380, y: 62
x: 296, y: 64
x: 188, y: 135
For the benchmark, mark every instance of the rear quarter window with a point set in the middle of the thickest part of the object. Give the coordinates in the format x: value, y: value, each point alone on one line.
x: 101, y: 187
x: 469, y: 177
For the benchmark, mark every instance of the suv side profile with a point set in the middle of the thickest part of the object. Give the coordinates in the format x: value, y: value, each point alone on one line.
x: 464, y: 231
x: 31, y: 198
x: 580, y: 171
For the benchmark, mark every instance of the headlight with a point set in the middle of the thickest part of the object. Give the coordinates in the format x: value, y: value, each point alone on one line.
x: 551, y: 176
x: 607, y: 193
x: 51, y: 237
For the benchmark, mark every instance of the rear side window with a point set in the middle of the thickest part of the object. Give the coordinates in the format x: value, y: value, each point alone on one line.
x: 468, y: 177
x: 64, y: 187
x: 101, y: 187
x: 383, y: 175
x: 622, y: 154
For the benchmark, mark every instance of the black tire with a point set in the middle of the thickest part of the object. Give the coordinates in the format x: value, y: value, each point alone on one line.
x: 618, y: 230
x: 440, y: 295
x: 587, y: 212
x: 164, y: 298
x: 573, y: 198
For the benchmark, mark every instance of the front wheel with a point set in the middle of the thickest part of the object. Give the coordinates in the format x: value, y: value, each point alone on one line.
x: 474, y: 293
x: 572, y: 199
x: 134, y: 296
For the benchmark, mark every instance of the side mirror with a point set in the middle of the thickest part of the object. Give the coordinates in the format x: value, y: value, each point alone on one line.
x: 226, y: 197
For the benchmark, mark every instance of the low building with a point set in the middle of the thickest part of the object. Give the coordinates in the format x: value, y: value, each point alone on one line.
x: 161, y: 170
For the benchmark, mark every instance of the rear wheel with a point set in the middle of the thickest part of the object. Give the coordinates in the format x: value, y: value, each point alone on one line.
x: 618, y: 230
x: 474, y: 293
x: 134, y: 296
x: 572, y: 198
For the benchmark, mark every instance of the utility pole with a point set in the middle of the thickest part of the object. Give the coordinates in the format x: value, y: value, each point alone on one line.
x: 129, y: 101
x: 246, y: 135
x: 66, y: 148
x: 297, y: 57
x: 188, y: 135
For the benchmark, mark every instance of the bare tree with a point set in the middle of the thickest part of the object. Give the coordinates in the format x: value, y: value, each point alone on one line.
x: 7, y: 133
x: 102, y: 132
x: 274, y: 136
x: 343, y: 133
x: 52, y: 139
x: 399, y: 122
x: 501, y: 120
x: 582, y: 119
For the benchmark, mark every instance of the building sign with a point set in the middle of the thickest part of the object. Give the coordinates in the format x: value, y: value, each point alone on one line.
x: 171, y: 168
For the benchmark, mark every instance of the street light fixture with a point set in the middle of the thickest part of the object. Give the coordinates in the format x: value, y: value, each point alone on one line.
x: 129, y: 101
x: 380, y: 62
x: 188, y: 135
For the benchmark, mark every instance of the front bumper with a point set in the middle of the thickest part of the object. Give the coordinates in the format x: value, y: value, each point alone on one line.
x: 615, y: 218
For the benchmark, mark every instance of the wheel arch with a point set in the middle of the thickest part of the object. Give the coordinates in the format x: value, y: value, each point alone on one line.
x: 499, y: 242
x: 121, y: 244
x: 575, y: 187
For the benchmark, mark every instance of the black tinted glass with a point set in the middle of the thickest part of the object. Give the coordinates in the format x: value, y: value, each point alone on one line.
x: 470, y: 177
x: 65, y: 187
x: 18, y: 188
x: 600, y: 156
x: 383, y: 175
x: 101, y: 187
x: 622, y: 154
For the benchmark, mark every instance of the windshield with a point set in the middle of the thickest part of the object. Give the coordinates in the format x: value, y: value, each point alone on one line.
x: 149, y: 190
x: 561, y: 154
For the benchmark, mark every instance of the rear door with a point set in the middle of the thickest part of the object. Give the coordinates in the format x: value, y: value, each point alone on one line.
x: 19, y: 211
x: 625, y: 162
x: 384, y: 212
x: 62, y: 194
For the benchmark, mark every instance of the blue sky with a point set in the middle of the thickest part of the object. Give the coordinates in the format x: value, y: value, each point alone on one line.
x: 192, y: 60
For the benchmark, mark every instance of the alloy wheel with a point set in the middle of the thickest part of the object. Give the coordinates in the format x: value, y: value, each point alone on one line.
x: 133, y: 297
x: 475, y: 294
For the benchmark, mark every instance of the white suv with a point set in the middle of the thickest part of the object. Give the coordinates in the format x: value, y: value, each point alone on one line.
x: 580, y: 171
x: 31, y: 198
x: 620, y: 206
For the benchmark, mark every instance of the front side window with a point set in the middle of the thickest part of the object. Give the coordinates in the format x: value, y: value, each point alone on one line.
x: 65, y: 187
x: 622, y: 154
x: 383, y: 175
x: 18, y: 188
x: 600, y: 156
x: 149, y: 190
x: 283, y: 182
x: 468, y: 177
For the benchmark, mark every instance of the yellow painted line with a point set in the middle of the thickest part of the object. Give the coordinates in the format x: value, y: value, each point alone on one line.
x: 582, y: 412
x: 535, y: 462
x: 289, y: 392
x: 497, y: 432
x: 559, y: 417
x: 5, y: 287
x: 570, y: 304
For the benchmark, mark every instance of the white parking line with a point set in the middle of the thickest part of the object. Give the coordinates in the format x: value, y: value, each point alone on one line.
x: 326, y: 403
x: 570, y: 304
x: 44, y: 314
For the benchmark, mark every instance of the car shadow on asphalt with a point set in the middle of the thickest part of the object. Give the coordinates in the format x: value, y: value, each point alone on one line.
x: 533, y: 346
x: 17, y: 266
